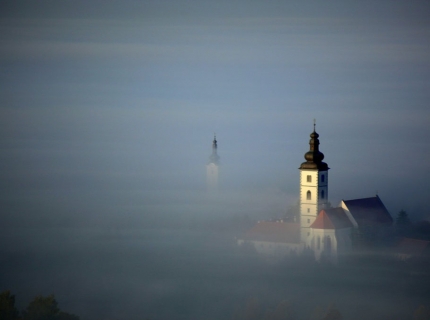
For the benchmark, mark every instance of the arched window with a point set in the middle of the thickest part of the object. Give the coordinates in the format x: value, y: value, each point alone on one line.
x: 318, y: 243
x: 322, y: 194
x: 308, y: 195
x: 322, y: 178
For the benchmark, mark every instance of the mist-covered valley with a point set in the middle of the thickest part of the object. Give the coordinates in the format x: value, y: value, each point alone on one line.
x: 107, y: 115
x: 186, y: 264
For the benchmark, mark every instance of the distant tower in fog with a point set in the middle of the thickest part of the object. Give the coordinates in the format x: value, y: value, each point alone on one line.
x: 212, y: 168
x: 313, y: 186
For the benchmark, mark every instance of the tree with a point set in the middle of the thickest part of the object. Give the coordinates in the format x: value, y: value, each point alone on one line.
x: 421, y: 230
x: 42, y: 308
x: 251, y: 311
x: 402, y: 222
x: 46, y: 308
x: 66, y: 316
x: 333, y: 314
x: 7, y: 306
x: 283, y: 311
x: 422, y: 313
x: 318, y: 313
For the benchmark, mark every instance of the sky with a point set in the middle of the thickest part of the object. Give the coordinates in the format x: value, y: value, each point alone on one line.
x: 108, y: 108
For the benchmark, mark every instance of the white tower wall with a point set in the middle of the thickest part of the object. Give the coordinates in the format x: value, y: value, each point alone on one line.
x: 313, y: 186
x: 212, y: 177
x: 314, y: 183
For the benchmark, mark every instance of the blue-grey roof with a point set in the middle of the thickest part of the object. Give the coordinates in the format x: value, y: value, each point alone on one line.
x: 369, y: 211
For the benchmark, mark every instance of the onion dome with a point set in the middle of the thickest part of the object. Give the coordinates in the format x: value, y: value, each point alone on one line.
x: 314, y: 157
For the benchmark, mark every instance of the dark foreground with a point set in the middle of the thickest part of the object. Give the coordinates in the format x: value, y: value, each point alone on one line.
x: 188, y: 274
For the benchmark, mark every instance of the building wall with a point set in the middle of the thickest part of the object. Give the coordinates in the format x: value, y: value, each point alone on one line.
x: 315, y: 182
x: 344, y: 240
x: 323, y: 241
x: 330, y: 242
x: 212, y: 177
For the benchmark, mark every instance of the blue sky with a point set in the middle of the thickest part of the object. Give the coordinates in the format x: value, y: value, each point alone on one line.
x: 103, y: 98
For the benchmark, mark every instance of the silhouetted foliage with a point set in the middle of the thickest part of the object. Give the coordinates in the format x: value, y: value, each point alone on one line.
x: 66, y: 316
x: 422, y: 313
x: 402, y: 223
x: 402, y: 218
x: 332, y: 314
x: 421, y: 230
x: 283, y: 311
x: 7, y: 306
x: 317, y: 314
x: 251, y: 311
x: 42, y: 308
x: 46, y: 308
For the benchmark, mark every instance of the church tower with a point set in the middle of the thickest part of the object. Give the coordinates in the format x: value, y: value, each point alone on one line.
x: 212, y: 168
x: 313, y: 186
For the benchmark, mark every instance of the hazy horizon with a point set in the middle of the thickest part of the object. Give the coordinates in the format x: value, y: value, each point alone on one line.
x: 126, y: 97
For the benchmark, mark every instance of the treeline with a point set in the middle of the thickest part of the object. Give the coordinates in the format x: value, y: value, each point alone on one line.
x: 40, y: 308
x: 407, y: 228
x: 46, y: 308
x: 254, y: 310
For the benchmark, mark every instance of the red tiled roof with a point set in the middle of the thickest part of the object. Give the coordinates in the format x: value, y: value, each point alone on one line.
x: 412, y: 246
x: 369, y: 211
x: 274, y: 232
x: 333, y: 218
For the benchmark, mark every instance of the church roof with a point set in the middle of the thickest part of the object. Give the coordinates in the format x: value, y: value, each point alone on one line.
x: 274, y: 231
x: 333, y: 218
x: 369, y: 211
x: 416, y: 247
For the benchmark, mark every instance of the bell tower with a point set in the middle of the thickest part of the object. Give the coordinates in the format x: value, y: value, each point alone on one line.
x: 313, y: 186
x: 212, y: 168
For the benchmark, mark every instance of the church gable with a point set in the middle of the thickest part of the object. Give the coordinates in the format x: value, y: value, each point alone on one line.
x: 333, y: 218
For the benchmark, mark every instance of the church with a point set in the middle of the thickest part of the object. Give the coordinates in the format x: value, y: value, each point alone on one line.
x: 212, y: 169
x: 326, y: 231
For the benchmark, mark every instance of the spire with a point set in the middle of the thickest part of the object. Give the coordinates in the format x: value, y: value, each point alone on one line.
x: 314, y: 157
x: 214, y: 143
x: 214, y: 158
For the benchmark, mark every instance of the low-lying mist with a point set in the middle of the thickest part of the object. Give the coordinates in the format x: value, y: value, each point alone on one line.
x: 173, y: 255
